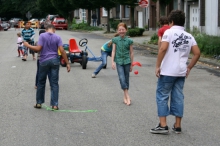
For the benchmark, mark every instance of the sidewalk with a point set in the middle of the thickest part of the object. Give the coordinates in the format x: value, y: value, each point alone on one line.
x: 142, y: 42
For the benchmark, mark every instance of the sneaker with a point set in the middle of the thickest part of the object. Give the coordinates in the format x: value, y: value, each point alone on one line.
x: 177, y: 130
x: 160, y: 130
x: 93, y: 75
x: 21, y: 56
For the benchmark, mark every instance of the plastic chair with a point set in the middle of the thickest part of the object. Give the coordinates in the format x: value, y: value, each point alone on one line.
x: 73, y: 47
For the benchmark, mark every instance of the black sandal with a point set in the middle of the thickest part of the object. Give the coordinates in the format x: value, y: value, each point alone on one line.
x: 55, y: 108
x: 24, y: 59
x: 37, y: 106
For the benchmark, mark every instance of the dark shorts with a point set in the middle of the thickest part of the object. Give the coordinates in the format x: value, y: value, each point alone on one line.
x: 31, y: 51
x: 25, y: 50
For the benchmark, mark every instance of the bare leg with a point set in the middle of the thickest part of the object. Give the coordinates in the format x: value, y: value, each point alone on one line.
x: 33, y: 56
x: 127, y: 97
x: 163, y: 121
x: 125, y: 100
x: 178, y: 122
x: 25, y: 57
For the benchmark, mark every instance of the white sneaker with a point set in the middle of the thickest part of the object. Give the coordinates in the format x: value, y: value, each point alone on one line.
x: 93, y: 75
x: 21, y: 56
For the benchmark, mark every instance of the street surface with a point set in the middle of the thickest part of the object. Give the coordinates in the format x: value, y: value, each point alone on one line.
x: 92, y: 112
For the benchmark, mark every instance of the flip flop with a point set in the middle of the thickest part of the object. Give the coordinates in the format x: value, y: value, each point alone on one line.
x: 37, y: 106
x: 55, y: 108
x: 24, y: 59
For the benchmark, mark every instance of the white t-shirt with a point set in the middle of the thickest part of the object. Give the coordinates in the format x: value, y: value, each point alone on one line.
x: 180, y: 44
x: 20, y: 40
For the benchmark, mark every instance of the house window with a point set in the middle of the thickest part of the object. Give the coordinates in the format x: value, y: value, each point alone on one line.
x: 175, y: 4
x: 104, y: 12
x: 118, y: 12
x: 127, y: 11
x: 76, y: 13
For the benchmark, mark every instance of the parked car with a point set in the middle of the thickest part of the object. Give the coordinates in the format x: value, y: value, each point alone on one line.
x: 5, y: 25
x: 14, y: 21
x: 49, y: 19
x: 42, y: 23
x: 34, y: 22
x: 60, y: 23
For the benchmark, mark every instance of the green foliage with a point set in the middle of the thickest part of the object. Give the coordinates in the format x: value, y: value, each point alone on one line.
x: 114, y: 23
x: 46, y: 6
x: 83, y: 26
x: 135, y: 32
x: 195, y: 31
x: 208, y: 45
x: 63, y: 7
x: 18, y: 8
x: 154, y: 39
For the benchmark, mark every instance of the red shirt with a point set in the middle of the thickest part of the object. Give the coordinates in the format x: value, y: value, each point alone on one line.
x: 162, y: 30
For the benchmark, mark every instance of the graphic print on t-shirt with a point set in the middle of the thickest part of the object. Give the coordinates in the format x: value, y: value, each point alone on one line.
x: 181, y: 40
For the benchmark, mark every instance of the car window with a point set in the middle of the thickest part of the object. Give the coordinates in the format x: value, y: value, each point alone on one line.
x: 60, y: 20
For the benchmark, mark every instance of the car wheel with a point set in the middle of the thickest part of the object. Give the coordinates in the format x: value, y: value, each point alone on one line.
x: 84, y: 61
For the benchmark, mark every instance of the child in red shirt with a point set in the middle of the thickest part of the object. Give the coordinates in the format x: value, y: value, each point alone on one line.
x: 165, y: 25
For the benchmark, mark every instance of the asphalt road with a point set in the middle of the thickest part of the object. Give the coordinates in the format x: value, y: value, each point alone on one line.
x: 92, y: 112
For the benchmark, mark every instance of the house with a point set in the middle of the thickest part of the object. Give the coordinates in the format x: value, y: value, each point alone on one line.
x: 203, y: 15
x: 122, y: 13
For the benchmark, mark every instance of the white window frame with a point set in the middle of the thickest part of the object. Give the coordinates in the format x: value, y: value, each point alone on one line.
x: 104, y: 12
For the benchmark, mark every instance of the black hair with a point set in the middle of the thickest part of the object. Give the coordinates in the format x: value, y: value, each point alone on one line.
x: 177, y: 17
x: 163, y: 20
x: 26, y: 22
x: 50, y: 26
x: 42, y: 31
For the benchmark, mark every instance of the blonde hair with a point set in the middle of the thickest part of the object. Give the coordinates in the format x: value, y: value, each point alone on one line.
x: 110, y: 42
x: 19, y: 34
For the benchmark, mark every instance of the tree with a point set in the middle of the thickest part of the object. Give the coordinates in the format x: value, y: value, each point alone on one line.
x: 63, y: 7
x: 7, y: 9
x: 45, y: 6
x: 18, y: 8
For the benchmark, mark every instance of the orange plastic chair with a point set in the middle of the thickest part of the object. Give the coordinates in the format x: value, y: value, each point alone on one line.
x: 73, y: 47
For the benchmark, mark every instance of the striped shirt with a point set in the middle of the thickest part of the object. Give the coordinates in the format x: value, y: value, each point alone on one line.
x: 27, y: 34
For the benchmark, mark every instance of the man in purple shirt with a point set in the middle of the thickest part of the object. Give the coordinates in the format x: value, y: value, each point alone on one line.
x: 49, y: 62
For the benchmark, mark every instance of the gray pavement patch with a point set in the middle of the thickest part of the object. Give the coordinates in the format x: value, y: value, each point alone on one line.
x: 69, y: 111
x: 211, y: 71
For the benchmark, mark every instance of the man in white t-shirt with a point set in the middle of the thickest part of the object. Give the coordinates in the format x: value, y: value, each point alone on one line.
x: 171, y: 70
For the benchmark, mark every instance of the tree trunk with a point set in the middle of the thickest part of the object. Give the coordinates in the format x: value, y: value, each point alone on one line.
x: 108, y: 17
x: 132, y: 16
x: 89, y: 17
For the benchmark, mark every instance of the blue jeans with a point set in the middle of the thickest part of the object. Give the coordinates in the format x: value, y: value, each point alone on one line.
x: 50, y: 66
x: 94, y: 22
x: 104, y: 56
x: 173, y: 87
x: 37, y: 74
x: 123, y: 74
